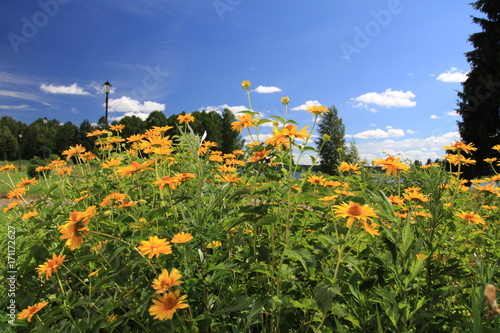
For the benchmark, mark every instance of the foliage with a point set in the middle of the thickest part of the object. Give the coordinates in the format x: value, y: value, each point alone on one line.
x: 54, y: 137
x: 167, y: 233
x: 333, y: 145
x: 479, y: 101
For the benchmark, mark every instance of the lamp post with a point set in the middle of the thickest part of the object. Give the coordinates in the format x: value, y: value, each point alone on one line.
x: 44, y: 136
x: 20, y: 137
x: 107, y: 88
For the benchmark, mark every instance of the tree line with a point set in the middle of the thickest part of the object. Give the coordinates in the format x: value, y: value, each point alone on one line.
x: 43, y: 137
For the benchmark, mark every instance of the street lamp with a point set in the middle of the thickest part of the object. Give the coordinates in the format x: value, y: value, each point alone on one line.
x: 107, y: 88
x: 44, y: 136
x: 20, y: 137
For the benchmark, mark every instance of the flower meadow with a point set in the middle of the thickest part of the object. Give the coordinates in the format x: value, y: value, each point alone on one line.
x: 160, y: 233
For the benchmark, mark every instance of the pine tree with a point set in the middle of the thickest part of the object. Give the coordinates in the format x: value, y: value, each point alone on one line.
x: 479, y: 102
x: 331, y: 132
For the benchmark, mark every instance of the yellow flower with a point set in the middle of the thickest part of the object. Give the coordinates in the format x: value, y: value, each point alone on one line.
x: 41, y: 168
x: 63, y: 172
x: 471, y: 217
x: 329, y: 198
x: 460, y: 146
x: 259, y: 155
x: 354, y: 211
x: 88, y: 156
x: 432, y: 165
x: 245, y: 85
x: 346, y: 167
x: 17, y: 193
x: 77, y: 227
x: 285, y: 100
x: 488, y: 188
x: 396, y: 200
x: 391, y: 165
x: 111, y: 163
x: 165, y: 306
x: 25, y: 181
x: 78, y: 149
x: 186, y: 118
x: 317, y: 110
x: 98, y: 132
x: 181, y: 237
x: 228, y: 178
x: 421, y: 256
x: 56, y: 164
x: 29, y: 215
x: 135, y: 138
x: 31, y: 311
x: 112, y: 318
x: 113, y: 197
x: 118, y: 128
x: 456, y: 159
x: 314, y: 179
x: 214, y: 244
x: 167, y: 280
x: 51, y: 265
x: 172, y: 182
x: 496, y: 147
x: 133, y: 168
x: 7, y: 167
x: 286, y: 135
x: 155, y: 246
x: 490, y: 160
x: 245, y: 120
x: 415, y: 195
x: 96, y: 272
x: 11, y: 205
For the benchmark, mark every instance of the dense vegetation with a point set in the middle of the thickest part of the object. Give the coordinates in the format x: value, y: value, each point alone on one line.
x: 52, y: 138
x: 157, y: 233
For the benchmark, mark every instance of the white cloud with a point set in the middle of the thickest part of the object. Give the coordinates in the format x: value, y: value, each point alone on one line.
x: 389, y: 98
x: 307, y: 104
x: 220, y: 108
x: 13, y: 107
x: 452, y: 114
x: 99, y: 89
x: 379, y: 133
x: 453, y: 75
x: 127, y: 104
x: 435, y: 117
x: 142, y: 115
x: 411, y: 148
x: 411, y: 131
x: 73, y: 89
x: 266, y: 90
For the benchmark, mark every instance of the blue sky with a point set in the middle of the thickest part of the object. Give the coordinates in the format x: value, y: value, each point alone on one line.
x: 391, y: 67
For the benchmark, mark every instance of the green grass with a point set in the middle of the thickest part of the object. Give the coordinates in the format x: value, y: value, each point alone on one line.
x: 11, y: 178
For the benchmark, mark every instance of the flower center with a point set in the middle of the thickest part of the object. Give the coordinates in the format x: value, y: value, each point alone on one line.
x: 355, y: 210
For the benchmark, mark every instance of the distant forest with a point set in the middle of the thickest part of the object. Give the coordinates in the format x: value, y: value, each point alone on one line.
x: 46, y: 137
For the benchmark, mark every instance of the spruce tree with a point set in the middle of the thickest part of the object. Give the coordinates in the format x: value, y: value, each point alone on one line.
x: 479, y: 102
x: 331, y: 131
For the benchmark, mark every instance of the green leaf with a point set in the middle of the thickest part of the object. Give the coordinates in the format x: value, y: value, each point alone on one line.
x: 323, y: 294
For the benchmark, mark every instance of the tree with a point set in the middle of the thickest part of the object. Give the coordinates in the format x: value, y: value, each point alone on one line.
x: 479, y: 102
x: 231, y: 139
x: 351, y: 154
x: 67, y: 135
x: 156, y: 118
x: 331, y: 131
x: 8, y: 145
x: 133, y: 125
x: 86, y: 141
